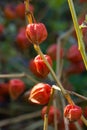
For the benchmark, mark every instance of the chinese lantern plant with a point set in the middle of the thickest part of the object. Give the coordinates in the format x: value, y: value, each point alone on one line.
x: 40, y: 94
x: 38, y: 67
x: 72, y: 112
x: 36, y: 36
x: 36, y: 33
x: 41, y: 66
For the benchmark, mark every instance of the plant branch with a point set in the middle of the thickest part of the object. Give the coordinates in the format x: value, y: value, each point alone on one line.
x: 47, y: 111
x: 78, y: 32
x: 78, y: 95
x: 64, y: 36
x: 18, y: 76
x: 66, y: 94
x: 28, y: 14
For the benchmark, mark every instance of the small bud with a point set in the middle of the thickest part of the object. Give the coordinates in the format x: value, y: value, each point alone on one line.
x: 51, y: 114
x: 36, y: 33
x: 39, y: 68
x: 40, y: 93
x: 16, y: 88
x: 72, y: 112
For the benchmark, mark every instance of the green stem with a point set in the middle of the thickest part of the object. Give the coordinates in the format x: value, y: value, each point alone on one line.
x: 47, y: 111
x: 80, y: 40
x: 78, y: 32
x: 67, y: 96
x: 27, y: 12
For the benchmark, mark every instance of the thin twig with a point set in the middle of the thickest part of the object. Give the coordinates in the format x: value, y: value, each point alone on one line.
x: 59, y: 67
x: 55, y: 114
x: 78, y: 95
x: 64, y: 36
x: 12, y: 75
x: 71, y: 92
x: 21, y: 75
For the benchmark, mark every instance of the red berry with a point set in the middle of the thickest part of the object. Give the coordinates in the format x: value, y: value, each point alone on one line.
x: 40, y: 93
x: 10, y: 12
x: 51, y: 114
x: 36, y: 33
x: 72, y: 112
x: 16, y: 88
x: 52, y: 50
x: 39, y: 68
x: 73, y: 54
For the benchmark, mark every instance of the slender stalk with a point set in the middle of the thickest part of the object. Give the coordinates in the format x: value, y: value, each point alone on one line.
x: 21, y: 75
x: 27, y: 11
x: 45, y: 122
x: 59, y: 68
x: 78, y: 32
x: 63, y: 37
x: 67, y: 96
x: 12, y: 75
x: 80, y: 40
x: 78, y: 95
x: 47, y: 111
x: 55, y: 115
